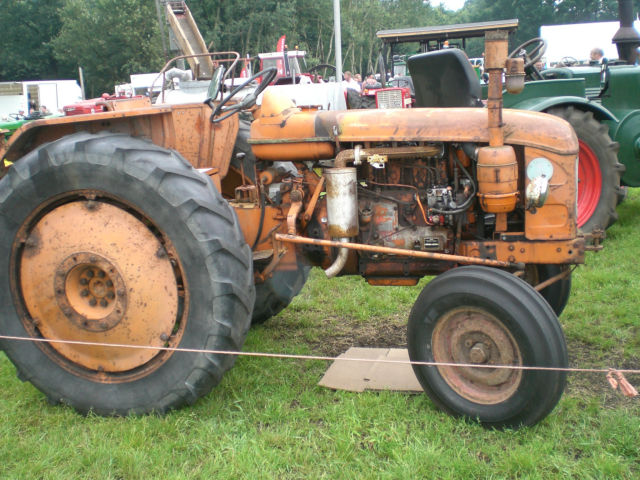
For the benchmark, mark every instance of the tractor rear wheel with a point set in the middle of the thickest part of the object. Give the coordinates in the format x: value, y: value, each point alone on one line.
x: 276, y: 293
x: 484, y: 316
x: 114, y: 240
x: 598, y: 170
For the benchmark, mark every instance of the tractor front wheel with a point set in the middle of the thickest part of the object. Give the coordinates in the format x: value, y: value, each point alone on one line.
x: 112, y: 240
x: 478, y: 315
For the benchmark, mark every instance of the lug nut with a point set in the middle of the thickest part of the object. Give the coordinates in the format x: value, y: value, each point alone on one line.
x: 103, y: 302
x: 90, y: 273
x: 84, y: 281
x: 109, y: 283
x: 101, y: 274
x: 93, y: 302
x: 111, y: 295
x: 84, y: 293
x: 164, y: 337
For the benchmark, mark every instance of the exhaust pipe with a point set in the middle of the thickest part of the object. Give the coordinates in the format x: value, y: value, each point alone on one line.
x: 626, y: 38
x: 342, y: 211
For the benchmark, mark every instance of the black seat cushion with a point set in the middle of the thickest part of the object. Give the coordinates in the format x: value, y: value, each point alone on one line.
x: 444, y: 78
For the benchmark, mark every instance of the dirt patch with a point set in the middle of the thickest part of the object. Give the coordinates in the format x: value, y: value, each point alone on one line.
x: 337, y: 335
x: 387, y: 335
x: 581, y: 384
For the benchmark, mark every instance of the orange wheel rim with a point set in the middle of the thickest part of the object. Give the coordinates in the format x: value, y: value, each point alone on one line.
x: 91, y: 271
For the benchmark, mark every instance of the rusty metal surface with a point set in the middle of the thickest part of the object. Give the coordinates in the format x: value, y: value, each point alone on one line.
x: 91, y: 271
x: 359, y: 155
x: 185, y: 128
x: 396, y: 251
x: 449, y: 125
x: 497, y: 177
x: 523, y: 251
x: 473, y: 335
x: 557, y: 219
x: 292, y: 129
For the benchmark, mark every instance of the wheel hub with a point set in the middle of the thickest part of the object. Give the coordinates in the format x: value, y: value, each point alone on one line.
x: 471, y: 335
x: 90, y: 292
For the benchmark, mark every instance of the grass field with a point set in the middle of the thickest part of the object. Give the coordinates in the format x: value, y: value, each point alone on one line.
x: 269, y: 419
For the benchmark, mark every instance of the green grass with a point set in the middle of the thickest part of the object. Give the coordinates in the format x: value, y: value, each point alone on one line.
x: 269, y: 419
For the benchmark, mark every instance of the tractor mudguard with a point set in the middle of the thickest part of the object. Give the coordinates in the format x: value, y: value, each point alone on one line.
x: 544, y: 104
x: 627, y: 134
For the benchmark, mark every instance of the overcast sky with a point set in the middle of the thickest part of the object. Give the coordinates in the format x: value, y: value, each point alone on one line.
x: 449, y: 4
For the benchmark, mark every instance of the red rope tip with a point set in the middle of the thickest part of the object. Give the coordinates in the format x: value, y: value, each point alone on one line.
x: 616, y: 379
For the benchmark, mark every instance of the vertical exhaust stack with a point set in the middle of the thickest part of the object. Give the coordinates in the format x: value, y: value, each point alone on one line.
x: 626, y: 38
x: 342, y: 211
x: 497, y: 166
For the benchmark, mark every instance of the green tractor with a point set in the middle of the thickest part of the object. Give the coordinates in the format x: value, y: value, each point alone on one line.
x: 601, y: 103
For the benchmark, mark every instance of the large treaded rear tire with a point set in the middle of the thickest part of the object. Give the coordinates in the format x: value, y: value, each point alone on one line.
x: 486, y: 316
x: 599, y: 171
x: 186, y: 214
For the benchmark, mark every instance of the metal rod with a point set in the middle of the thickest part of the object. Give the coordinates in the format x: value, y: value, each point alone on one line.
x: 397, y: 251
x: 338, y: 39
x: 555, y: 278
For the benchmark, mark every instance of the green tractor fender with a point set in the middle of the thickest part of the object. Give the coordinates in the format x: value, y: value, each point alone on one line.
x: 627, y: 134
x: 544, y: 104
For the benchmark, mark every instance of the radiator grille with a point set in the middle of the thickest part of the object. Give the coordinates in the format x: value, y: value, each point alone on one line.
x: 389, y: 98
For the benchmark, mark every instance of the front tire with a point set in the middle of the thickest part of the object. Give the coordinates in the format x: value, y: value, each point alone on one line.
x: 115, y: 240
x: 486, y: 316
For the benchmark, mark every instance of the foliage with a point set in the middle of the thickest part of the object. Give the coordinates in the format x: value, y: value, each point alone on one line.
x: 28, y: 26
x: 109, y: 39
x: 112, y: 39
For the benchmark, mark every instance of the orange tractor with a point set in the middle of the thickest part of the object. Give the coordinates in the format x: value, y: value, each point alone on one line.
x: 175, y: 226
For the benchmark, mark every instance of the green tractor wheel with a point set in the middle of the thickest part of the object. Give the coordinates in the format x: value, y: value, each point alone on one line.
x: 598, y: 170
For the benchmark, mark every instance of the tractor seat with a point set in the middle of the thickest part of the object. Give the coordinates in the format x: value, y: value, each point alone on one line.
x: 444, y: 78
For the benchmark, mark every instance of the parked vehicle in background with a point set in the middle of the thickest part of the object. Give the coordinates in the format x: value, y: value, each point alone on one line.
x: 600, y: 104
x: 32, y: 95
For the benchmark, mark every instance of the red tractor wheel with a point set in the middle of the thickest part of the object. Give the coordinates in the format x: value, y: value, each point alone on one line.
x: 598, y: 170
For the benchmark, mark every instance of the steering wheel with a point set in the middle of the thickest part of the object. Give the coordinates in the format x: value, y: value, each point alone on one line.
x: 269, y: 74
x: 324, y: 67
x: 531, y: 57
x: 568, y: 61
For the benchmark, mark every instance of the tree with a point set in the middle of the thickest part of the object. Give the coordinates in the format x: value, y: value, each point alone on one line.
x: 109, y: 39
x: 27, y: 28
